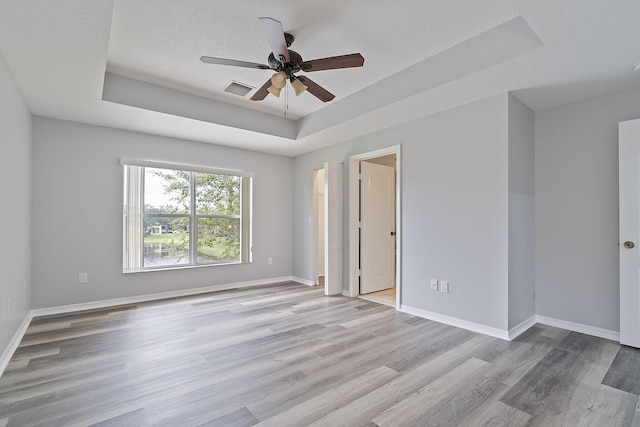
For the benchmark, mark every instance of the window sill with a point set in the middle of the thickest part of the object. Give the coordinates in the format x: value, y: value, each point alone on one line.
x: 185, y: 267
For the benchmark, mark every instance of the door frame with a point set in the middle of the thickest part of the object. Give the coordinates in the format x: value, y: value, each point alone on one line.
x: 333, y: 217
x: 354, y: 204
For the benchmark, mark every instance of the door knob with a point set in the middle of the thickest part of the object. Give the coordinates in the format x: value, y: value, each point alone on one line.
x: 629, y: 245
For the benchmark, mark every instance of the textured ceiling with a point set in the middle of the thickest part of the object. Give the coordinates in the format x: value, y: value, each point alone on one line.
x: 163, y: 41
x: 420, y: 57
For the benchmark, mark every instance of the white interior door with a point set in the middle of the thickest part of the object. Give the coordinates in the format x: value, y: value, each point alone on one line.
x: 377, y: 232
x: 333, y: 228
x: 629, y: 152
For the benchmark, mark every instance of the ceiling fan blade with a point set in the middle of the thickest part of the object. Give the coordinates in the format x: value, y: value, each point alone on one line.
x: 233, y: 62
x: 316, y: 90
x: 275, y: 37
x: 262, y: 92
x: 334, y: 62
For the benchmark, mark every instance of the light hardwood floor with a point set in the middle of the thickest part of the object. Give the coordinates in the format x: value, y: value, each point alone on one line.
x: 289, y: 356
x: 386, y: 297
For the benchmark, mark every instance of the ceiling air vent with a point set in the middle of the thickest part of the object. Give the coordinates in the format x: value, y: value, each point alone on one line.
x: 238, y: 88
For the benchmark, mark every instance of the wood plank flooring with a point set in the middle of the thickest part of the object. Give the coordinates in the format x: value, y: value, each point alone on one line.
x: 386, y: 297
x: 287, y: 355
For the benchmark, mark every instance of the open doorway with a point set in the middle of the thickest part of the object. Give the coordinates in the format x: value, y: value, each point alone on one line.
x: 374, y: 222
x: 318, y: 226
x: 327, y: 228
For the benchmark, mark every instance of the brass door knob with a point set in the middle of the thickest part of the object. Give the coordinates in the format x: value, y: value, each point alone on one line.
x: 629, y: 245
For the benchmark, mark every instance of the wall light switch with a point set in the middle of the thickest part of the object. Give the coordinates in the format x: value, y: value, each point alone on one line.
x: 82, y: 278
x: 434, y: 284
x: 444, y: 286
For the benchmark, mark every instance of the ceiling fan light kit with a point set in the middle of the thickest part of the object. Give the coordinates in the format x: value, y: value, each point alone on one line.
x: 287, y: 62
x: 279, y: 80
x: 275, y: 91
x: 298, y: 86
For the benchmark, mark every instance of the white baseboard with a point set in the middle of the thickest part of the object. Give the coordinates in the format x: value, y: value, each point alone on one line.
x: 152, y: 297
x: 15, y: 341
x: 579, y: 327
x: 350, y: 293
x: 458, y: 323
x: 522, y: 327
x: 303, y: 281
x: 517, y: 330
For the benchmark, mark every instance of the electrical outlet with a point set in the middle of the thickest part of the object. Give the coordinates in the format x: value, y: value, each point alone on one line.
x: 270, y: 260
x: 82, y: 278
x: 444, y: 286
x: 434, y: 284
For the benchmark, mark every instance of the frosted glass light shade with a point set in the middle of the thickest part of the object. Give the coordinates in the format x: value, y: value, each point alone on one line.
x: 275, y: 91
x: 279, y: 80
x: 298, y: 86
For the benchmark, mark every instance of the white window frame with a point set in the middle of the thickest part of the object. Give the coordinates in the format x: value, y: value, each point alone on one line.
x: 133, y: 214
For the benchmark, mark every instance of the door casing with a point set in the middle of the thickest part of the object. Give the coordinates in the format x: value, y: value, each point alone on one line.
x: 333, y: 209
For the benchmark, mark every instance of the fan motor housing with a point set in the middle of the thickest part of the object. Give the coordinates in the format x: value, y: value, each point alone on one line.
x: 290, y: 67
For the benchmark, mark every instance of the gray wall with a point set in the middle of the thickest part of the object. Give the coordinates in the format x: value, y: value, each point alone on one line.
x: 77, y: 213
x: 15, y: 211
x: 521, y: 212
x: 576, y: 208
x: 454, y: 208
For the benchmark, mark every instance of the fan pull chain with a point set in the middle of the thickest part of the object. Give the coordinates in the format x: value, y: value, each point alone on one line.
x: 286, y: 100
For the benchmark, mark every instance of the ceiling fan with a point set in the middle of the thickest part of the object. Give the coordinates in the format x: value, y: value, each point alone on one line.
x: 287, y: 62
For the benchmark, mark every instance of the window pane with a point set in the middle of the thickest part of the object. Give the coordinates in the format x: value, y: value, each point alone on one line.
x: 218, y: 240
x: 166, y: 191
x: 217, y: 194
x: 166, y: 241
